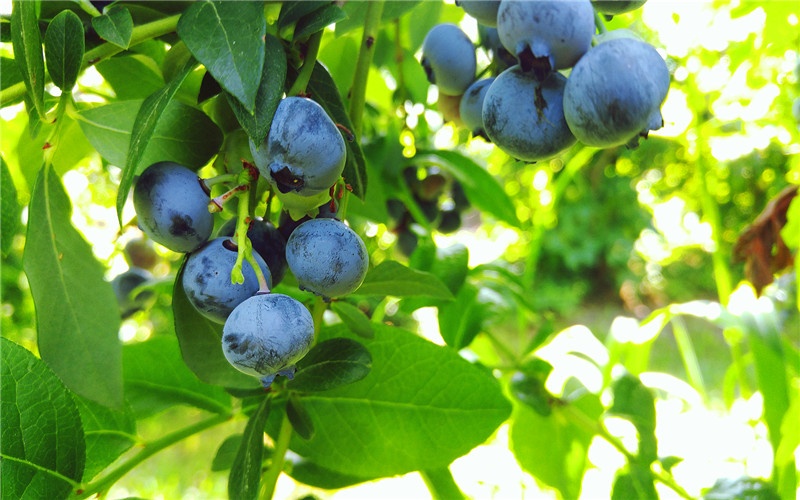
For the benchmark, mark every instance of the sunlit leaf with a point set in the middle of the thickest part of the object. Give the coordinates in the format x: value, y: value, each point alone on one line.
x: 64, y: 46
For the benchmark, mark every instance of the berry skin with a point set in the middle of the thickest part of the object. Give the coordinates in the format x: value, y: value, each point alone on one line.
x: 614, y: 93
x: 524, y: 117
x: 267, y: 241
x: 171, y: 205
x: 484, y: 11
x: 207, y: 279
x: 304, y: 152
x: 472, y: 105
x: 125, y: 283
x: 546, y: 35
x: 448, y: 58
x: 266, y: 335
x: 327, y: 257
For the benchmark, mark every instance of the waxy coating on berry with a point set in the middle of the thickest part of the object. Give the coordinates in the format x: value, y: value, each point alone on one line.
x: 304, y: 152
x: 327, y: 257
x: 524, y: 117
x: 471, y: 107
x: 124, y: 284
x: 448, y: 58
x: 171, y: 205
x: 484, y: 11
x: 266, y: 335
x: 207, y: 279
x: 546, y: 35
x: 614, y: 93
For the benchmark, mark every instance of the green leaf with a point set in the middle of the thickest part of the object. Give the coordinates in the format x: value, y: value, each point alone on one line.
x: 64, y: 46
x: 356, y: 12
x: 318, y: 20
x: 293, y: 11
x: 323, y: 89
x: 636, y: 482
x: 115, y: 26
x: 354, y: 318
x: 462, y: 319
x: 184, y: 134
x: 41, y: 440
x: 749, y: 488
x: 482, y: 190
x: 270, y: 92
x: 299, y: 418
x: 330, y: 364
x: 131, y: 76
x: 76, y: 311
x: 9, y: 72
x: 552, y: 448
x: 156, y: 379
x: 144, y: 127
x: 9, y: 208
x: 108, y: 432
x: 392, y: 278
x: 228, y: 39
x: 421, y: 407
x: 633, y: 401
x: 312, y: 474
x: 226, y: 453
x: 27, y: 43
x: 201, y: 344
x: 245, y: 476
x: 528, y: 387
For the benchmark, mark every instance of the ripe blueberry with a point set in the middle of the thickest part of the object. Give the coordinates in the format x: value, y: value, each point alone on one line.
x: 471, y: 107
x: 171, y: 205
x: 448, y: 58
x: 304, y: 152
x: 327, y: 257
x: 266, y: 335
x: 207, y: 279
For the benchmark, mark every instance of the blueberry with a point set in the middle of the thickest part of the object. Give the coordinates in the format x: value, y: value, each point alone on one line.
x: 139, y: 252
x: 207, y: 279
x: 472, y: 105
x: 614, y: 93
x: 484, y: 11
x: 327, y: 257
x: 304, y: 152
x: 448, y: 58
x: 171, y: 205
x: 267, y: 241
x: 524, y: 117
x: 125, y: 283
x: 266, y: 335
x: 546, y: 35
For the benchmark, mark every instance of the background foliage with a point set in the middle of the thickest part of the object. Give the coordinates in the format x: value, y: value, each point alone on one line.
x: 597, y: 326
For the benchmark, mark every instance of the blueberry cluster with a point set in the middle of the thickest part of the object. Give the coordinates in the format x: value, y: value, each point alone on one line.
x: 440, y: 199
x: 302, y: 158
x: 553, y: 81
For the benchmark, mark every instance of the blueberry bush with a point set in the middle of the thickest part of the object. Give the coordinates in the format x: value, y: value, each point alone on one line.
x: 497, y: 248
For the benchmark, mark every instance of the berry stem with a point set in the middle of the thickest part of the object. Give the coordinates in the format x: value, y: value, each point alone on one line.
x: 358, y: 92
x: 215, y: 205
x: 309, y: 61
x: 599, y: 22
x: 219, y: 179
x: 441, y: 484
x: 278, y: 456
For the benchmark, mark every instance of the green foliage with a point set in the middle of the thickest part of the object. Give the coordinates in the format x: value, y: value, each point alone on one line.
x: 582, y: 307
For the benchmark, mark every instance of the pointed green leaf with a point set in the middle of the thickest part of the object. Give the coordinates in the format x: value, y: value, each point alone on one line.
x: 307, y: 472
x: 293, y: 11
x: 318, y: 20
x: 134, y: 76
x: 226, y: 453
x: 27, y: 43
x: 636, y: 482
x: 228, y: 39
x: 9, y: 208
x: 270, y: 92
x: 299, y: 418
x: 323, y: 89
x: 64, y: 46
x: 354, y: 318
x: 462, y: 319
x: 108, y: 432
x: 482, y: 190
x: 421, y: 407
x: 76, y: 312
x: 9, y: 72
x: 41, y: 440
x: 330, y: 364
x: 552, y: 448
x: 147, y: 121
x: 156, y: 379
x: 115, y: 26
x: 245, y: 476
x: 201, y: 344
x: 395, y: 279
x: 184, y: 134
